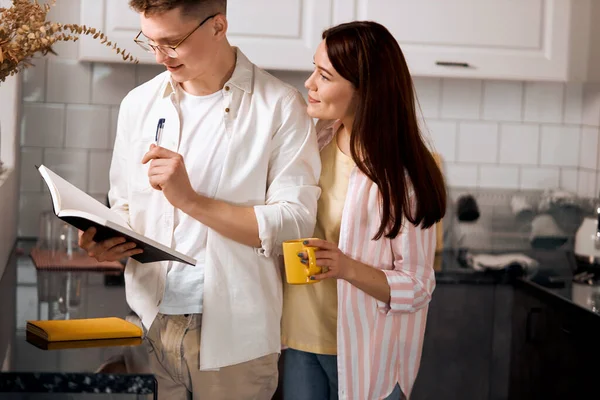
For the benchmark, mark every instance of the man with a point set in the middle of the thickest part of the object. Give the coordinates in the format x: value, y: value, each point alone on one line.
x: 232, y: 173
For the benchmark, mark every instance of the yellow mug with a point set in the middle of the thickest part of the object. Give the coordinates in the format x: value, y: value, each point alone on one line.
x: 296, y: 272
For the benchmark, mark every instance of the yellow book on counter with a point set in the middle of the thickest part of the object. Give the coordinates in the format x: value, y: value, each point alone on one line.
x: 80, y: 344
x: 84, y: 329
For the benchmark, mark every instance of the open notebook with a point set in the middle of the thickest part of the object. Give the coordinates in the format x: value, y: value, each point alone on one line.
x: 79, y: 209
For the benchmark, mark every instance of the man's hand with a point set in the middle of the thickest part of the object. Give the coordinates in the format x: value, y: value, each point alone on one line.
x: 167, y: 173
x: 114, y: 249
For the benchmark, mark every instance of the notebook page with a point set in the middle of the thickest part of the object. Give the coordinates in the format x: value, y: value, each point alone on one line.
x: 73, y: 198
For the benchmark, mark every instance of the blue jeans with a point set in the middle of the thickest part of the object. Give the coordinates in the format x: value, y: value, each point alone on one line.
x: 310, y: 376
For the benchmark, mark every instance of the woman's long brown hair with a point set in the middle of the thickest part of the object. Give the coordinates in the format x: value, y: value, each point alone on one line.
x: 386, y: 142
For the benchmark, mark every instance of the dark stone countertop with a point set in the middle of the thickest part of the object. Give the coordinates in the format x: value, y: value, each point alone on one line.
x: 551, y: 281
x: 53, y: 382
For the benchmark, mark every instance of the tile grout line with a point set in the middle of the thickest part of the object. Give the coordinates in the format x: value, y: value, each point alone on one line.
x: 564, y: 103
x: 523, y: 101
x: 482, y: 92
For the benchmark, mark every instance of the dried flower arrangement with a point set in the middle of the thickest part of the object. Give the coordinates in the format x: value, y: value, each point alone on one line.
x: 24, y: 31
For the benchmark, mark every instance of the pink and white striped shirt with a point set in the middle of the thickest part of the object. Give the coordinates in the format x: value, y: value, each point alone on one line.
x: 379, y: 345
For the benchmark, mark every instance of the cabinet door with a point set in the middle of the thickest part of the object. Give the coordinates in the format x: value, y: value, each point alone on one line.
x: 510, y: 39
x: 529, y: 336
x: 278, y: 34
x: 274, y: 34
x: 501, y: 342
x: 119, y: 22
x: 457, y: 348
x: 553, y: 354
x: 572, y: 355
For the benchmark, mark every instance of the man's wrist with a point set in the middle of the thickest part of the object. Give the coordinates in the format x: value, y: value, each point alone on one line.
x: 193, y: 203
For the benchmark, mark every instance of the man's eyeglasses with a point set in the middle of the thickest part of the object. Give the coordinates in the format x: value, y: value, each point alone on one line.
x: 169, y: 51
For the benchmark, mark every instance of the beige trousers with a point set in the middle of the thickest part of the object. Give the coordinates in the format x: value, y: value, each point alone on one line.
x: 174, y: 360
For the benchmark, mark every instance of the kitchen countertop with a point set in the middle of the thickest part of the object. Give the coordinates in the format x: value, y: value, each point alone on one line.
x: 29, y: 294
x: 556, y: 263
x: 42, y: 295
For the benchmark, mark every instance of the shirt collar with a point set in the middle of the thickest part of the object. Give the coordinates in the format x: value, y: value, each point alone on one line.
x: 169, y: 86
x: 336, y: 125
x: 242, y: 76
x: 327, y: 131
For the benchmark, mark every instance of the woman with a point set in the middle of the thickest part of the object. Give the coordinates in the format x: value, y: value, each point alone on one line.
x: 360, y: 329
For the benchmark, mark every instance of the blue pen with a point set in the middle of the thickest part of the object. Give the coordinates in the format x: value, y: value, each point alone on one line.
x: 159, y: 129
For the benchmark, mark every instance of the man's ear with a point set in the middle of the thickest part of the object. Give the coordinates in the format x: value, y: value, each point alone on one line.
x: 220, y: 26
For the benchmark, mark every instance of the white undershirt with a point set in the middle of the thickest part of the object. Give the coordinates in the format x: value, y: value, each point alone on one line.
x: 203, y: 145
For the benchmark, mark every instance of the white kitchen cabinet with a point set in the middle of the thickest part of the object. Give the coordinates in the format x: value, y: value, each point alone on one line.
x: 274, y: 34
x: 494, y: 39
x: 118, y: 22
x: 485, y: 39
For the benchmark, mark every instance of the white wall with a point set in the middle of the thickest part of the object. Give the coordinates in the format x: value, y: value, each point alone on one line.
x: 10, y: 99
x: 491, y: 134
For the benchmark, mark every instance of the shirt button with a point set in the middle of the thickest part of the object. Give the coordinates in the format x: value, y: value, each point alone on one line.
x: 227, y: 110
x: 227, y: 88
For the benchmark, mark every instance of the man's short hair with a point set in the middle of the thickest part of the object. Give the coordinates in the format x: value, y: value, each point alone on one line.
x: 196, y: 8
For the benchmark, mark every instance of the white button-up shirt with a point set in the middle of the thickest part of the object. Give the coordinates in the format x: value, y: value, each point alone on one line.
x: 272, y: 164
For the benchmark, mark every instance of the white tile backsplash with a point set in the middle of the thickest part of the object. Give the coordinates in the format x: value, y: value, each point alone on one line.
x: 478, y: 142
x: 587, y: 183
x: 43, y: 125
x: 591, y: 105
x: 560, y: 146
x: 498, y: 177
x: 519, y: 144
x: 428, y: 92
x: 69, y: 81
x: 588, y: 152
x: 539, y: 178
x: 461, y: 175
x: 34, y: 81
x: 443, y: 135
x: 544, y: 102
x: 461, y: 99
x: 87, y: 127
x: 502, y: 101
x: 31, y: 180
x: 71, y: 164
x: 573, y: 104
x: 569, y: 179
x: 98, y: 171
x: 112, y: 132
x: 31, y: 206
x: 111, y: 83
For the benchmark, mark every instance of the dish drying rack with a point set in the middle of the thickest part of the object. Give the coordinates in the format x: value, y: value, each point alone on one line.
x: 498, y: 228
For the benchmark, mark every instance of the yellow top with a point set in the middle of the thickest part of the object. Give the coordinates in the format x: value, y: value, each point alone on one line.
x: 84, y: 329
x: 309, y: 321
